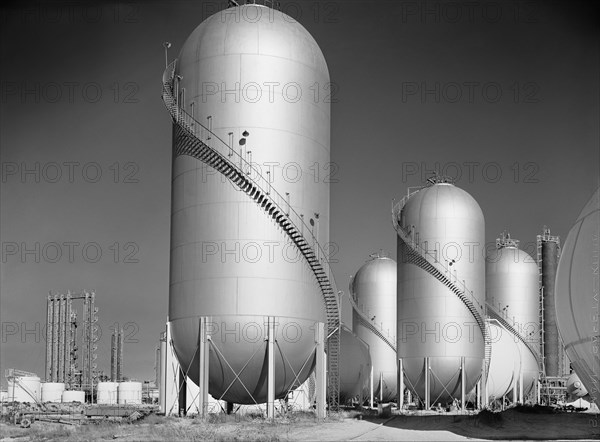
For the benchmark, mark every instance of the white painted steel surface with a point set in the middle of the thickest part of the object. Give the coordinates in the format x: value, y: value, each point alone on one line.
x: 374, y: 289
x: 432, y: 321
x: 577, y: 296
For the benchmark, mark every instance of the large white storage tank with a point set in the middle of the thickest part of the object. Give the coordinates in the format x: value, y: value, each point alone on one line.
x: 250, y: 73
x: 24, y: 389
x: 73, y: 396
x: 52, y: 391
x: 107, y: 392
x: 130, y: 393
x: 577, y: 294
x: 374, y: 291
x: 441, y: 233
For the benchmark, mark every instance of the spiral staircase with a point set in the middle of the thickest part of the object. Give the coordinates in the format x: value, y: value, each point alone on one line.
x: 193, y: 139
x: 413, y: 252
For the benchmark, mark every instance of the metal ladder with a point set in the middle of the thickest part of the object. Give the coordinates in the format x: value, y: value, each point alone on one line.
x: 197, y: 141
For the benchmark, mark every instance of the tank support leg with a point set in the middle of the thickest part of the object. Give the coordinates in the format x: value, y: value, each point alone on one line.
x: 514, y: 392
x: 371, y: 387
x: 271, y: 370
x: 478, y: 393
x: 463, y: 379
x: 400, y: 385
x: 380, y: 386
x: 320, y: 372
x: 182, y: 393
x: 427, y: 383
x: 203, y: 367
x: 521, y: 401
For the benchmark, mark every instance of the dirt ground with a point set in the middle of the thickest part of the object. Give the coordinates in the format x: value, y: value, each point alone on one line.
x: 513, y: 424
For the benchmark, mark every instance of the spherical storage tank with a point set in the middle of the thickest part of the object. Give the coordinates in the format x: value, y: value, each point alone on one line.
x: 257, y: 74
x: 52, y: 391
x: 374, y: 291
x: 577, y: 296
x: 130, y: 393
x: 433, y: 322
x: 107, y: 392
x: 355, y: 365
x: 25, y: 389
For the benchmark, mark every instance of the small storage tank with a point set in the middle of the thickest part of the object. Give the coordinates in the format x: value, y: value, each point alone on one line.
x: 24, y: 389
x: 577, y: 293
x: 107, y: 392
x: 505, y: 362
x: 355, y: 365
x: 52, y: 391
x: 73, y: 396
x: 441, y: 233
x: 374, y: 291
x: 130, y: 393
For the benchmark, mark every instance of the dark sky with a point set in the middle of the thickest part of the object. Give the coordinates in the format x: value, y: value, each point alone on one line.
x: 504, y: 94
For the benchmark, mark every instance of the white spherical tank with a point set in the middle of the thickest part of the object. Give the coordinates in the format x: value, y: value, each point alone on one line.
x: 129, y: 393
x: 24, y: 389
x: 512, y: 287
x: 577, y: 294
x: 52, y: 391
x: 446, y: 227
x: 107, y: 392
x: 374, y: 291
x: 355, y: 365
x: 73, y: 396
x: 255, y: 77
x: 505, y: 362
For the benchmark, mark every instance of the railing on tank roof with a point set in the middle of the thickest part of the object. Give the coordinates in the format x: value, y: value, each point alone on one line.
x: 236, y: 161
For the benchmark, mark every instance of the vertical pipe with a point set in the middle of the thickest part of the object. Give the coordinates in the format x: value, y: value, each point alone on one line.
x: 68, y: 339
x: 400, y: 385
x: 320, y: 372
x: 61, y: 340
x: 230, y: 144
x: 371, y: 386
x: 120, y: 342
x: 271, y: 370
x: 514, y: 390
x: 202, y: 368
x: 49, y: 339
x: 427, y: 404
x: 478, y: 394
x: 55, y: 326
x: 162, y: 394
x: 209, y: 124
x: 113, y: 355
x: 463, y: 380
x: 521, y: 387
x: 380, y: 386
x: 551, y: 339
x: 182, y: 384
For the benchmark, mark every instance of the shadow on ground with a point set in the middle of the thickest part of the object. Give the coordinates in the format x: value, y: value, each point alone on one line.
x: 532, y: 423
